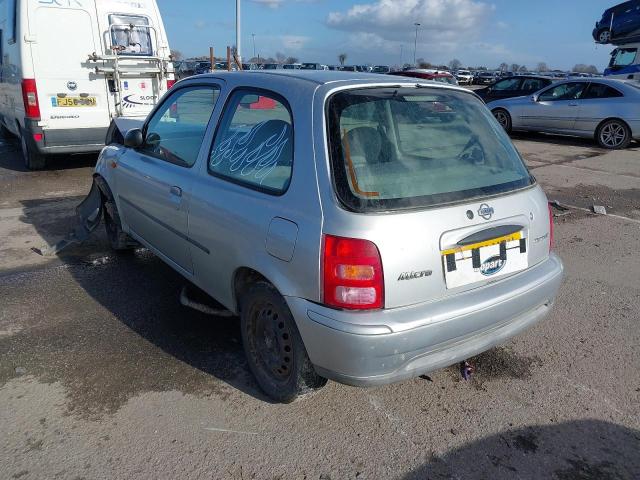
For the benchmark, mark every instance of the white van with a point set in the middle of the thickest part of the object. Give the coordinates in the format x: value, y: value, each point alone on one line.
x: 70, y: 66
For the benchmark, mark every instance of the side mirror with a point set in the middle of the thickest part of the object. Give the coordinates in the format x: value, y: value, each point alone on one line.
x: 134, y: 138
x: 533, y: 98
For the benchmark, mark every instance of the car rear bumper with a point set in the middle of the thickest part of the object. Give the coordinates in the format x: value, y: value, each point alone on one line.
x: 67, y: 140
x: 366, y: 349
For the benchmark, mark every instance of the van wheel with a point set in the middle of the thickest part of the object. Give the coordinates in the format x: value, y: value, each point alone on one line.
x: 613, y: 134
x: 503, y: 118
x: 118, y: 239
x: 32, y: 159
x: 273, y: 346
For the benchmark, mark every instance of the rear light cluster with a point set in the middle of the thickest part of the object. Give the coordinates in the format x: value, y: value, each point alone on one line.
x: 170, y: 83
x: 30, y: 98
x: 352, y: 274
x: 550, y: 227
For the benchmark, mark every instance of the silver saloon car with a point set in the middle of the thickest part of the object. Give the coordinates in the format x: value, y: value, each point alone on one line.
x: 365, y: 228
x: 605, y: 109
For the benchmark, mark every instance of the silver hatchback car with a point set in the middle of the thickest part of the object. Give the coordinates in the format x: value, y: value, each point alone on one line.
x: 365, y: 228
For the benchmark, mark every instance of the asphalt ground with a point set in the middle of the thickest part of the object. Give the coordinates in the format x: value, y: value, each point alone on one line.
x: 103, y: 374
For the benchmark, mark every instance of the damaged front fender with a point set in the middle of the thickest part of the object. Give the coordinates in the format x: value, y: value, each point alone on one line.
x: 88, y: 217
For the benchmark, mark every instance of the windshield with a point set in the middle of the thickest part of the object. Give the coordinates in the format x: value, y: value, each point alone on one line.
x: 130, y: 34
x: 622, y: 57
x: 416, y: 147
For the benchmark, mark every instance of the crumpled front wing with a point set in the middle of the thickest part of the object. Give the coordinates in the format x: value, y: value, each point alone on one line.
x: 88, y: 216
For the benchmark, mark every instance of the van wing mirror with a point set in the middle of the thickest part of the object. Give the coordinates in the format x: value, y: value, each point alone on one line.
x: 134, y: 138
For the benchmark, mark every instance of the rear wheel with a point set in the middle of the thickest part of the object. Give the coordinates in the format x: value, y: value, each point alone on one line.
x: 273, y: 346
x: 604, y: 36
x: 503, y: 118
x: 33, y: 160
x: 613, y: 134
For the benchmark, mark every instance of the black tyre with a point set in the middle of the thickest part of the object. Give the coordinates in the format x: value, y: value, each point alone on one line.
x: 604, y: 36
x: 273, y: 346
x: 503, y: 117
x: 613, y: 134
x: 118, y: 239
x: 32, y: 159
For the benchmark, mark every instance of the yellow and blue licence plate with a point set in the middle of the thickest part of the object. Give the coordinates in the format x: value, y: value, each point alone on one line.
x: 74, y: 101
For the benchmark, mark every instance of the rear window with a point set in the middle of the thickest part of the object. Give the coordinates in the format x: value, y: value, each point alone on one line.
x: 394, y: 148
x: 131, y: 34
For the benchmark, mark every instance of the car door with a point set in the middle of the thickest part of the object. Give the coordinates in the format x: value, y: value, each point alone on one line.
x: 154, y: 181
x: 554, y: 109
x: 532, y: 85
x: 239, y: 202
x: 507, y: 88
x: 597, y: 103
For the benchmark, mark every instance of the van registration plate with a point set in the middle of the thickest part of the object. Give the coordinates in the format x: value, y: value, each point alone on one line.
x: 74, y: 101
x: 485, y: 260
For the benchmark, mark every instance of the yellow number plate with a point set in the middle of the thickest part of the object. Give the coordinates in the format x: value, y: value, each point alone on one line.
x: 76, y: 102
x: 493, y: 241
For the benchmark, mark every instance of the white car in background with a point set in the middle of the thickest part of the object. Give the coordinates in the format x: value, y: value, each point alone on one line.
x: 464, y: 77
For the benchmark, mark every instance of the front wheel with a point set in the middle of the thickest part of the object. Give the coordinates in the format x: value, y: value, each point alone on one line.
x: 604, y: 36
x: 33, y: 160
x: 273, y: 346
x: 503, y: 118
x: 613, y: 134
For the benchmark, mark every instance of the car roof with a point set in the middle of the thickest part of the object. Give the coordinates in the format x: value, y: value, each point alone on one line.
x: 316, y: 78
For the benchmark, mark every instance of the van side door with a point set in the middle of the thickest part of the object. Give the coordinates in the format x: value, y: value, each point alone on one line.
x: 154, y: 181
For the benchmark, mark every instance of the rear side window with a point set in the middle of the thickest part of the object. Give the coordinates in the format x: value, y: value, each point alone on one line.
x: 130, y: 34
x: 600, y: 90
x: 254, y: 142
x: 534, y: 84
x: 394, y: 148
x: 175, y: 131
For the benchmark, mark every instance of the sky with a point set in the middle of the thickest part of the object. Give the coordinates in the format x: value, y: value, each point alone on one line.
x: 477, y: 32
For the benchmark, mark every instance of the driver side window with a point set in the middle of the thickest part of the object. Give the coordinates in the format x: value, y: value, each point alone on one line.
x: 565, y: 91
x: 176, y: 130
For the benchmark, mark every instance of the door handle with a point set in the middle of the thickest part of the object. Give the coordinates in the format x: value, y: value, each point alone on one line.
x: 175, y: 191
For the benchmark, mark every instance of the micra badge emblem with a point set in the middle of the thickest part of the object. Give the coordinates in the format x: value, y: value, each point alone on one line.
x: 72, y: 85
x: 414, y: 275
x: 485, y: 211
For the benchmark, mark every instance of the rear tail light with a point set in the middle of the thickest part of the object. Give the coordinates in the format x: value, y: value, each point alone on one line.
x: 550, y: 227
x: 30, y: 98
x: 352, y: 274
x: 170, y: 83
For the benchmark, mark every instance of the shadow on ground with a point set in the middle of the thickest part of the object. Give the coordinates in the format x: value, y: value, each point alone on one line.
x: 578, y: 450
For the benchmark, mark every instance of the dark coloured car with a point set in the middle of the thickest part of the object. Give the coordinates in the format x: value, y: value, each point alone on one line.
x: 619, y: 23
x: 203, y: 67
x: 516, y: 86
x: 483, y: 78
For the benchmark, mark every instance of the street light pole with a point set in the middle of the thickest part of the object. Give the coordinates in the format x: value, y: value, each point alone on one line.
x: 238, y: 34
x: 415, y: 44
x: 253, y: 37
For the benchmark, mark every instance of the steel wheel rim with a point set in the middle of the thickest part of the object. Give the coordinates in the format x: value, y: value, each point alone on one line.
x: 613, y: 134
x: 501, y: 117
x: 271, y: 338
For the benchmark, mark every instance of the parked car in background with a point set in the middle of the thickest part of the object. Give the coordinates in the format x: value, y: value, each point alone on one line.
x: 202, y: 67
x: 313, y: 66
x: 348, y: 68
x: 515, y: 86
x: 484, y: 78
x: 607, y: 110
x: 619, y: 23
x: 186, y: 69
x: 464, y: 77
x: 384, y: 247
x: 271, y: 66
x: 93, y: 61
x: 292, y: 66
x: 381, y: 69
x: 426, y: 74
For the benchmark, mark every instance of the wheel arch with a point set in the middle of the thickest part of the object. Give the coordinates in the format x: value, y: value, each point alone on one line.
x: 243, y: 278
x: 595, y: 133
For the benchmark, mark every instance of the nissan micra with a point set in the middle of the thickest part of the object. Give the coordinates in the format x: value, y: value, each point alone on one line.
x: 365, y: 228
